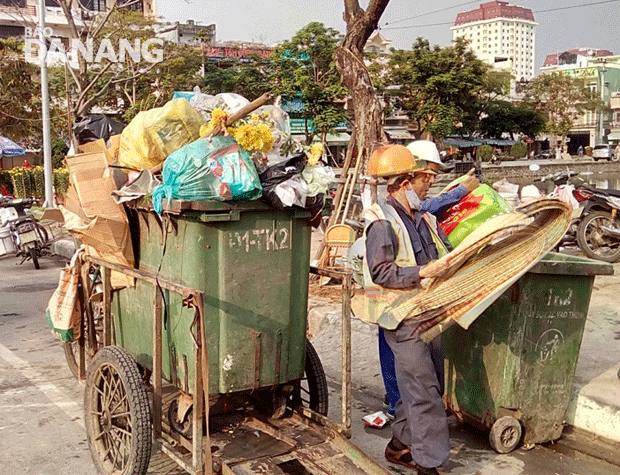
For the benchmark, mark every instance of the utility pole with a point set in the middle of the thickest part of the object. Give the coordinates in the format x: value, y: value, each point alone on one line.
x: 45, y: 111
x: 603, y: 70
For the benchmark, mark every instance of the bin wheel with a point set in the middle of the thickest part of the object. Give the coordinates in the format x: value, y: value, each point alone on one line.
x: 117, y: 414
x: 505, y: 434
x: 311, y: 391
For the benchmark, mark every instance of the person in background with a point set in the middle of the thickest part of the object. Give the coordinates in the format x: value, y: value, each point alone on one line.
x: 427, y: 152
x: 402, y: 247
x: 617, y: 151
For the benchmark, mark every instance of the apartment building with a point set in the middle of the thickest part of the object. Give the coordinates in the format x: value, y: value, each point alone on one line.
x: 18, y: 15
x: 502, y: 35
x: 600, y: 71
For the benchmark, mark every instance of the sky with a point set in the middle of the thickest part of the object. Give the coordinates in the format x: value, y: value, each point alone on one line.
x: 270, y: 21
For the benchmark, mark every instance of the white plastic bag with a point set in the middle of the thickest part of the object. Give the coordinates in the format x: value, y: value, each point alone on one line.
x: 318, y: 178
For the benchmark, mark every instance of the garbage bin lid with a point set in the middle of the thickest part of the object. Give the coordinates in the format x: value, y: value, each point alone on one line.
x: 564, y: 264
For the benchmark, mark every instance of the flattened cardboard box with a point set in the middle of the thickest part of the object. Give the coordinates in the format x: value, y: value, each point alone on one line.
x: 98, y: 221
x: 100, y: 146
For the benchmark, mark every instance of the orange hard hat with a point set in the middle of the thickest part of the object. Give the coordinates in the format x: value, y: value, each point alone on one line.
x: 392, y: 160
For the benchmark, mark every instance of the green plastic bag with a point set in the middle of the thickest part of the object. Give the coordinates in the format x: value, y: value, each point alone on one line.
x: 473, y: 210
x: 217, y: 169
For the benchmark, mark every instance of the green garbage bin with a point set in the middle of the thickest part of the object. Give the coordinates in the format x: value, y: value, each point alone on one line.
x: 251, y: 262
x: 512, y: 371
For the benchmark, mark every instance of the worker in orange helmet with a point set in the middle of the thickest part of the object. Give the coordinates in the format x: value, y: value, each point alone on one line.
x: 402, y: 247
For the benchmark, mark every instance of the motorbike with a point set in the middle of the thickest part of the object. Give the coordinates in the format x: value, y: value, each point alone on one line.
x: 598, y: 234
x: 28, y: 238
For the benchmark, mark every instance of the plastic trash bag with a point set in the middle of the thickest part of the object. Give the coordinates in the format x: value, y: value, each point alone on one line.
x: 473, y: 210
x: 318, y: 179
x: 94, y: 127
x: 201, y: 102
x: 276, y: 185
x: 217, y: 170
x: 279, y: 116
x: 229, y: 101
x: 155, y: 134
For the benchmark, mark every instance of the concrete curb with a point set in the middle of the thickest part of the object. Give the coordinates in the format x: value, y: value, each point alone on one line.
x: 595, y: 407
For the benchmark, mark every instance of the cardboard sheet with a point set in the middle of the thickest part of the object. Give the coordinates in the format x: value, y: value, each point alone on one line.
x: 91, y: 214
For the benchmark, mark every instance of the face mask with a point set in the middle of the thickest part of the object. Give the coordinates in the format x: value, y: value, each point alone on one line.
x: 413, y: 199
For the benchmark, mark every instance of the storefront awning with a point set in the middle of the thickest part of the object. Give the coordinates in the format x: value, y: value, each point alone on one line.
x: 614, y: 136
x: 341, y: 138
x: 461, y: 143
x: 398, y: 134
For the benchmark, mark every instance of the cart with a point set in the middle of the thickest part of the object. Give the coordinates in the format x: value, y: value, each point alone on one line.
x: 205, y: 356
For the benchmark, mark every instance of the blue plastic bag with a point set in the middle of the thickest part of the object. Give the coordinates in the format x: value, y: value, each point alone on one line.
x: 218, y: 170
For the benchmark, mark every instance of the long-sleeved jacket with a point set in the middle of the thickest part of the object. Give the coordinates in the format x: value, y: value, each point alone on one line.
x: 382, y: 248
x: 440, y: 204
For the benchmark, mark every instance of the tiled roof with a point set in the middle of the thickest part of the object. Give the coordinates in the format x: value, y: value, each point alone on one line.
x: 496, y: 9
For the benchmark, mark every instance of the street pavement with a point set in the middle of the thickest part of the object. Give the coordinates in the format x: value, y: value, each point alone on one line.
x: 41, y: 418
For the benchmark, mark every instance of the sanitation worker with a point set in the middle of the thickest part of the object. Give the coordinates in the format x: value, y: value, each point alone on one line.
x: 427, y: 152
x: 402, y: 245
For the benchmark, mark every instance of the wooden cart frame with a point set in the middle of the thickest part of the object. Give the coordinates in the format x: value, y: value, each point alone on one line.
x: 202, y: 462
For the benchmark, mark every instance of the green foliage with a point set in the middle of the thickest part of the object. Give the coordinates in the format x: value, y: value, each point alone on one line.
x: 59, y: 152
x: 506, y: 117
x: 23, y: 182
x: 130, y: 86
x: 61, y: 181
x: 250, y: 79
x: 561, y: 99
x: 484, y: 152
x: 30, y: 183
x: 20, y: 96
x: 304, y: 67
x: 5, y: 179
x: 440, y: 88
x: 518, y: 150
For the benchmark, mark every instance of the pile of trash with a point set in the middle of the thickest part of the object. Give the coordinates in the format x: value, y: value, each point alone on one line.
x: 220, y: 147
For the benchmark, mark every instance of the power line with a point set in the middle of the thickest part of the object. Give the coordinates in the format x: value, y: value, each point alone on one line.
x: 433, y: 11
x: 539, y: 11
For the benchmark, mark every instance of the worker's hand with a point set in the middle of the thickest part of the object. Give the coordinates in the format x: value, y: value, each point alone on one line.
x: 434, y: 269
x: 470, y: 182
x: 471, y: 172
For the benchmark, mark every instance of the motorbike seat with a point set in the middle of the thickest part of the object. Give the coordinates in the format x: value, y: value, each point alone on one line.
x: 607, y: 192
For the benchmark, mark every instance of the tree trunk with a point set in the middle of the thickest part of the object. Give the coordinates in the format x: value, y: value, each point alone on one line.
x: 349, y: 59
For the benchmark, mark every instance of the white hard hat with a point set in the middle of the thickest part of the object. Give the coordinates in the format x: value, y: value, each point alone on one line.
x: 425, y: 150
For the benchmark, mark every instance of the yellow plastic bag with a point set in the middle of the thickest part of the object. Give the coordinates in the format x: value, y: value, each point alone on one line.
x: 155, y: 134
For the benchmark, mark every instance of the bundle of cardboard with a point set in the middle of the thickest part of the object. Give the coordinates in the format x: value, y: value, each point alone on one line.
x: 90, y: 213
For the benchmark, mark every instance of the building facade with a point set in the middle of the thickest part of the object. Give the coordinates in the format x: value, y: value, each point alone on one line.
x: 600, y: 71
x: 502, y: 35
x: 18, y: 15
x: 189, y: 33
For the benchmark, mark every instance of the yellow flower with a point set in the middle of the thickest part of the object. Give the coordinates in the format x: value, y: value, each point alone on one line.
x: 255, y: 118
x: 265, y: 115
x: 315, y: 154
x: 254, y: 138
x: 218, y: 116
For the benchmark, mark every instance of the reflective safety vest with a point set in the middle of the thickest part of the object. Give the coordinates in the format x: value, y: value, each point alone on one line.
x: 371, y: 303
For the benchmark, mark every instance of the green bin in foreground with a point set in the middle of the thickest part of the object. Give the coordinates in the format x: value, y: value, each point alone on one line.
x: 512, y: 371
x: 251, y: 262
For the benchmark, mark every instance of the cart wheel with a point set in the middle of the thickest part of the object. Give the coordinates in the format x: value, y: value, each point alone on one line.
x: 72, y: 348
x: 117, y: 413
x: 311, y: 391
x: 505, y: 434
